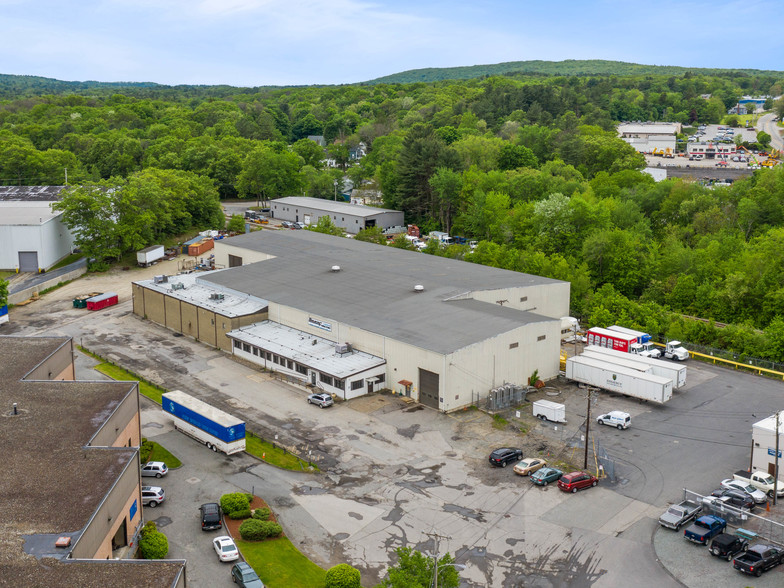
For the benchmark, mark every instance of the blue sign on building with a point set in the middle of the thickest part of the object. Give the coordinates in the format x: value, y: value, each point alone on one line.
x: 772, y: 451
x: 134, y: 508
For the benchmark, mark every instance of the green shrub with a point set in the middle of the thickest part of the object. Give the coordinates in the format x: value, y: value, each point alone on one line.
x: 270, y: 529
x: 154, y: 545
x: 240, y: 514
x: 343, y: 576
x: 251, y: 530
x: 233, y: 502
x: 262, y: 514
x: 148, y: 526
x: 145, y: 450
x: 250, y: 497
x: 256, y: 530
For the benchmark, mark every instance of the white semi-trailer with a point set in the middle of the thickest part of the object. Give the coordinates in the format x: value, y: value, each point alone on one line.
x: 218, y: 430
x: 614, y: 378
x: 150, y: 255
x: 657, y: 367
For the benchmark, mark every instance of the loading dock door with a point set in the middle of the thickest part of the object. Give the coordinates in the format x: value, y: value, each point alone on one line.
x: 28, y: 261
x: 235, y: 261
x: 428, y: 388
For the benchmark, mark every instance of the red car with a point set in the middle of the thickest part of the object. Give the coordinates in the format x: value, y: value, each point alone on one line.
x: 577, y: 481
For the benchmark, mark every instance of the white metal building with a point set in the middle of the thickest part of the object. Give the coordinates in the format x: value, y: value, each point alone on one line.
x: 645, y: 137
x: 32, y: 236
x: 352, y: 317
x: 763, y: 434
x: 712, y: 150
x: 350, y: 217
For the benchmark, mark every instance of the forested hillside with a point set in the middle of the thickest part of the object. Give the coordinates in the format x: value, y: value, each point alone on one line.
x: 568, y: 67
x: 530, y: 166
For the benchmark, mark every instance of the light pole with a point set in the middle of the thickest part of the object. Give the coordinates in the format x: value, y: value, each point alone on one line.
x: 336, y: 190
x: 457, y: 566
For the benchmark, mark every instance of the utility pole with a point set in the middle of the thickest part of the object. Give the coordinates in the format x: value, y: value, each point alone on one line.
x: 587, y: 430
x: 435, y: 537
x: 776, y: 478
x: 66, y: 176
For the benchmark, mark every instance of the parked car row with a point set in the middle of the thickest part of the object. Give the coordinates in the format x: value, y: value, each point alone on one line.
x: 152, y: 496
x: 538, y: 472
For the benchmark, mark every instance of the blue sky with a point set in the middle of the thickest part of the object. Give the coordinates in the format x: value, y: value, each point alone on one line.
x: 271, y: 42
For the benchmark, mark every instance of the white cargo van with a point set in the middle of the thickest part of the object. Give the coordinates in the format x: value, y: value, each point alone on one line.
x: 615, y: 418
x: 550, y: 411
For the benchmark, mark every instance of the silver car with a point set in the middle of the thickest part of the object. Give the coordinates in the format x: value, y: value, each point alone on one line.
x: 322, y: 400
x: 756, y: 494
x: 152, y: 496
x: 155, y: 468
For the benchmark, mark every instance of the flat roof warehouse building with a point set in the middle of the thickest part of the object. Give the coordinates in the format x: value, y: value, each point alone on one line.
x: 353, y: 317
x: 352, y: 218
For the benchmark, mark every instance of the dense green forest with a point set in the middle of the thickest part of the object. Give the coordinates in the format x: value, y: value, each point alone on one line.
x: 529, y: 165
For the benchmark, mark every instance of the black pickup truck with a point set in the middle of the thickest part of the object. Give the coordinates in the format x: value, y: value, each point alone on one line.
x: 758, y: 559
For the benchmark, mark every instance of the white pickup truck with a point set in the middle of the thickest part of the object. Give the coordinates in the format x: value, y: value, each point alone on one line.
x: 762, y: 480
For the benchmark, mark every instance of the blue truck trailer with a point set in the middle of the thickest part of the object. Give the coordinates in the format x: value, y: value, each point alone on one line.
x: 218, y: 430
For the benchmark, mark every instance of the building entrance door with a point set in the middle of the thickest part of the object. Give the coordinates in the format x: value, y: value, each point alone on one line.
x: 428, y: 388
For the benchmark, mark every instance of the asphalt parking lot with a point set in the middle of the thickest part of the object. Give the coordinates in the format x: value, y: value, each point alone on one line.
x: 393, y: 472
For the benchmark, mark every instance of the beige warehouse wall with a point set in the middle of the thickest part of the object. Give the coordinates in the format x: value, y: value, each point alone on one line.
x: 154, y: 309
x: 172, y: 313
x: 548, y: 300
x: 224, y: 248
x: 190, y: 320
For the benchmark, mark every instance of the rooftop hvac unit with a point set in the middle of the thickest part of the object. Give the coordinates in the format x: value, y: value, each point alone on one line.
x: 341, y: 348
x: 217, y: 296
x: 160, y: 279
x: 419, y: 288
x: 178, y: 286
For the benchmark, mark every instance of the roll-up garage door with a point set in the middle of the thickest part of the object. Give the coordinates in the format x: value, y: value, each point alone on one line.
x: 28, y: 261
x: 428, y: 388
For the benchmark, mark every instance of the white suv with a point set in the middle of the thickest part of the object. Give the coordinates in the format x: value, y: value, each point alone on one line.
x: 615, y: 418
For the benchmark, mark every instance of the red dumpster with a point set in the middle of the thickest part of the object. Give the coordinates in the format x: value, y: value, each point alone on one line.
x: 102, y: 301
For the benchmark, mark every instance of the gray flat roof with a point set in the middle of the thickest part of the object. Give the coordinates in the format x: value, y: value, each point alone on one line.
x: 374, y: 289
x: 198, y: 293
x: 310, y: 350
x: 332, y: 206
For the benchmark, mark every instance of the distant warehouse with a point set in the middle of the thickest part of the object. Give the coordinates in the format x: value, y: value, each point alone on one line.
x: 352, y: 318
x: 350, y: 217
x: 650, y: 137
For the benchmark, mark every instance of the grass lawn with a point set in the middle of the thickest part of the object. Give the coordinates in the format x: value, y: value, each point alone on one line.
x: 117, y: 373
x: 160, y: 453
x: 276, y: 456
x: 280, y: 565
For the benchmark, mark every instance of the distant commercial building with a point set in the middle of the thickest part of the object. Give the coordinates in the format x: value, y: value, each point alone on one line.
x: 32, y: 235
x: 352, y: 218
x: 351, y: 318
x: 70, y: 494
x: 649, y: 136
x: 712, y: 150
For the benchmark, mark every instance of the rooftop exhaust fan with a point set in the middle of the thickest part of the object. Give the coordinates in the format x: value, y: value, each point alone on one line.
x: 335, y: 268
x: 419, y: 288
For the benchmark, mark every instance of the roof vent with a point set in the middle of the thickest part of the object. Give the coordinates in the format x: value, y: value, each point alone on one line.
x: 419, y: 288
x: 335, y: 268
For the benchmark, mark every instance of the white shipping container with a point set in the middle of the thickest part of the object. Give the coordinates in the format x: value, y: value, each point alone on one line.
x: 615, y: 378
x: 657, y: 367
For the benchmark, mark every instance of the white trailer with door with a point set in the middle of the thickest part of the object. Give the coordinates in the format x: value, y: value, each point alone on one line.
x: 622, y: 380
x: 657, y: 367
x: 550, y: 411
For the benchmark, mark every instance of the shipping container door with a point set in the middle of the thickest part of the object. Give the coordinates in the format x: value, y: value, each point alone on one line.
x: 428, y: 388
x: 28, y: 261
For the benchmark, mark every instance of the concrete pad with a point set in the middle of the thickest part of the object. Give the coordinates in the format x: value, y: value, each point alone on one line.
x: 336, y: 515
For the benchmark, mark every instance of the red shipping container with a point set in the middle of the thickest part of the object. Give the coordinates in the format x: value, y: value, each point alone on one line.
x: 610, y: 339
x: 102, y: 301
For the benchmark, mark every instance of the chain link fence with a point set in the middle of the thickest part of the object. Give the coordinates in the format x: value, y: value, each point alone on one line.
x: 765, y: 528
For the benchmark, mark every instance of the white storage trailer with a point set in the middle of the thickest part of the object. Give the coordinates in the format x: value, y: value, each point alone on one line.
x: 648, y: 365
x: 149, y: 255
x: 614, y: 378
x: 218, y: 430
x: 551, y: 411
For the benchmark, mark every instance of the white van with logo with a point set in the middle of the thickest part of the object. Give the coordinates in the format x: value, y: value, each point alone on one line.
x: 615, y: 418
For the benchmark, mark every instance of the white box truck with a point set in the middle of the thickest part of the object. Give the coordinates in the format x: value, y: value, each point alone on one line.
x: 622, y: 380
x: 149, y: 255
x: 550, y: 411
x: 218, y: 430
x: 657, y: 367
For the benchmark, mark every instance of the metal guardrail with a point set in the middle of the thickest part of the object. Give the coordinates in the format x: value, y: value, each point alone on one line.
x: 735, y: 364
